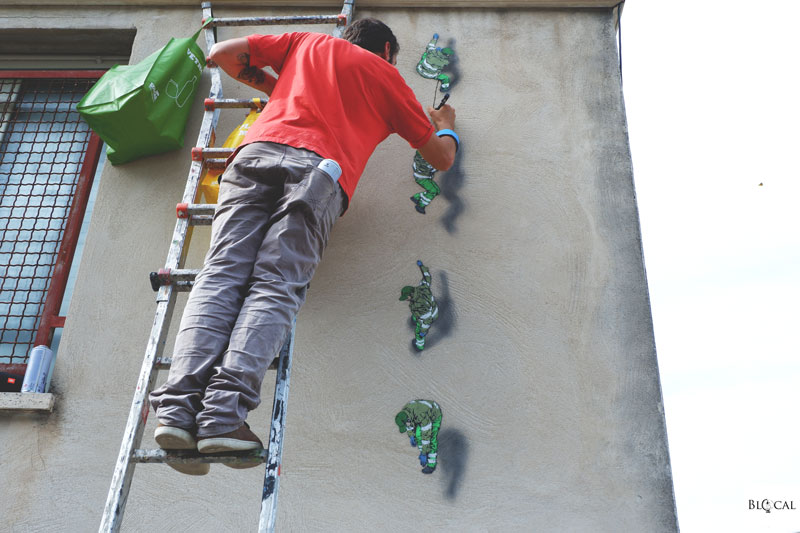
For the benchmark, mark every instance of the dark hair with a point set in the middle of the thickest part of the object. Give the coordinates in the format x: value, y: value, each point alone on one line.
x: 372, y: 34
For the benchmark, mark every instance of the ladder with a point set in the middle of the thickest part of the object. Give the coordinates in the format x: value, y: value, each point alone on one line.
x: 173, y: 278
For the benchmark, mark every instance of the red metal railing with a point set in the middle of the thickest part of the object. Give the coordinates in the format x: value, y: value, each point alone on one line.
x: 48, y: 158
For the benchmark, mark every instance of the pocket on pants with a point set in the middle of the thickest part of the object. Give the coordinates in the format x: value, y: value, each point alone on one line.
x: 321, y: 193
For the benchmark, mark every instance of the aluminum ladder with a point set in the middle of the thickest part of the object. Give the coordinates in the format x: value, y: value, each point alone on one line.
x: 173, y: 278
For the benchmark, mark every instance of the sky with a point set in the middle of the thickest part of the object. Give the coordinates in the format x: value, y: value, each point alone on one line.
x: 713, y: 107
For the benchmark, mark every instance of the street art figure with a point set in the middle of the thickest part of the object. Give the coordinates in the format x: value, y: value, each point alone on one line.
x: 423, y: 307
x: 433, y: 61
x: 421, y: 420
x: 423, y: 175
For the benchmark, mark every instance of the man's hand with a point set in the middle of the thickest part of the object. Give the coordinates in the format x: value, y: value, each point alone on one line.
x: 444, y: 118
x: 233, y: 56
x: 440, y: 152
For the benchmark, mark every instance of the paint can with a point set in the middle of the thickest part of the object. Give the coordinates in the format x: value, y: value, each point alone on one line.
x: 39, y: 362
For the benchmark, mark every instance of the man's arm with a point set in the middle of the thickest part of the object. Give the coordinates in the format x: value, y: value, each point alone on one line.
x: 440, y: 152
x: 233, y: 56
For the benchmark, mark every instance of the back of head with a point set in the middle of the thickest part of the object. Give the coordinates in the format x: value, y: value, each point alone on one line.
x: 371, y: 34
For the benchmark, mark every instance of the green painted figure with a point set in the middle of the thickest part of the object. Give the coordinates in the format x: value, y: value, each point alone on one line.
x: 433, y: 60
x: 423, y: 175
x: 421, y: 420
x: 423, y: 307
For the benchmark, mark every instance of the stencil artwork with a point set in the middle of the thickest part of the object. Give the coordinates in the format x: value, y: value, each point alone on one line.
x: 420, y: 420
x: 423, y: 175
x: 434, y: 59
x: 423, y: 306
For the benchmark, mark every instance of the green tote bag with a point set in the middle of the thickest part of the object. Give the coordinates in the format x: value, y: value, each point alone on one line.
x: 142, y: 109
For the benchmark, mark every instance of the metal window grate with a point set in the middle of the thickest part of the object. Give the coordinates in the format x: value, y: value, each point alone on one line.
x: 43, y: 144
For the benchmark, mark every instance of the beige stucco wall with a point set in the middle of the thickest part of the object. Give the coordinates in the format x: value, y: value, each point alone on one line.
x: 543, y: 360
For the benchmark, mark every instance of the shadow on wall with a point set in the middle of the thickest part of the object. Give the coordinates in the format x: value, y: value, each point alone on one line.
x: 453, y: 453
x: 451, y: 183
x: 452, y: 67
x: 453, y: 180
x: 444, y: 325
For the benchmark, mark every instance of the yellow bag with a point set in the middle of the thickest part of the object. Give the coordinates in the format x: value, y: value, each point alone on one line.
x: 209, y: 182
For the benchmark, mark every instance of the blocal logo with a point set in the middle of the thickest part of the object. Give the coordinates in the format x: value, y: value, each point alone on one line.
x: 768, y: 505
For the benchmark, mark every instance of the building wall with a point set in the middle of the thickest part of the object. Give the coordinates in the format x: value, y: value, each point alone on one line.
x: 543, y: 359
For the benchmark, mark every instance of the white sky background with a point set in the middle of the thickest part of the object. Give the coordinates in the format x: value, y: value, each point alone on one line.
x: 713, y: 104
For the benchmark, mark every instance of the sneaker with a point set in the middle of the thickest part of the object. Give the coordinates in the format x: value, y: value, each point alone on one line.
x: 428, y: 469
x: 172, y: 438
x: 240, y: 440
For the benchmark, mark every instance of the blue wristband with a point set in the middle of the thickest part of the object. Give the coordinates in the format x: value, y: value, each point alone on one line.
x: 449, y: 133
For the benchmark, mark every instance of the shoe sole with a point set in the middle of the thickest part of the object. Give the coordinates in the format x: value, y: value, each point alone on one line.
x: 198, y: 469
x: 215, y: 445
x: 241, y: 466
x: 169, y: 438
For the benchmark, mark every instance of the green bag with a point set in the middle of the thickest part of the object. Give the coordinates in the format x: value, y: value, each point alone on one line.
x: 142, y: 109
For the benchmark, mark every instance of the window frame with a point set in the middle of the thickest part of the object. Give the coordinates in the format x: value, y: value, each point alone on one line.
x: 50, y: 318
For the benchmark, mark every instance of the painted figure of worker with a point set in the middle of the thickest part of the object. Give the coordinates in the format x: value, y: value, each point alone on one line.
x: 333, y: 102
x: 423, y: 306
x: 433, y: 61
x: 423, y: 175
x: 421, y: 419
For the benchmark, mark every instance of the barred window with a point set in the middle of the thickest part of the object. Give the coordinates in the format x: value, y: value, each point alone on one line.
x: 48, y: 158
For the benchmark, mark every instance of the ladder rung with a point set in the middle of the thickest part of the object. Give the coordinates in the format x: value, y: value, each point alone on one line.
x: 187, y: 210
x: 216, y: 164
x: 198, y: 214
x: 201, y: 220
x: 339, y: 20
x: 194, y: 457
x: 219, y: 103
x: 181, y: 279
x: 199, y: 153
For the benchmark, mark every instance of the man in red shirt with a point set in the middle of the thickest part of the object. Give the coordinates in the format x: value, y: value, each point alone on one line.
x: 334, y: 101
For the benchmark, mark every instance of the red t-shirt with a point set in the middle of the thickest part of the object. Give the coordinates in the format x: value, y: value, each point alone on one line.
x: 334, y: 98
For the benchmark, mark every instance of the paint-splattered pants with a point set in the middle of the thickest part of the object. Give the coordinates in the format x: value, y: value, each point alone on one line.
x: 275, y: 213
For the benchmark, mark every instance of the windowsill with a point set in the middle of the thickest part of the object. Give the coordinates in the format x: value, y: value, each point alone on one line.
x: 28, y: 402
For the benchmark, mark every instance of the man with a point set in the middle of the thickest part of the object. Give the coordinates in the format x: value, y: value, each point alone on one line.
x: 333, y: 102
x: 423, y: 306
x: 421, y: 420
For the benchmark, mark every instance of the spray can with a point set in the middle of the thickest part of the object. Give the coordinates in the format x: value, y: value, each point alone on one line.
x: 38, y: 370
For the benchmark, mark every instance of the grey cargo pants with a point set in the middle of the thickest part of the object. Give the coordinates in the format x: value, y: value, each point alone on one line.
x: 275, y: 213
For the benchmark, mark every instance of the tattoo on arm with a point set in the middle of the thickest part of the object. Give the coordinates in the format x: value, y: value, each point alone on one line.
x: 249, y: 73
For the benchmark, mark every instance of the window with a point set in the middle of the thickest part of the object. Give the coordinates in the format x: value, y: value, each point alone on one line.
x: 48, y: 159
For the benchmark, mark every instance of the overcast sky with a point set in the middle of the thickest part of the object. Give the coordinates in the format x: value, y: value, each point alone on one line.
x: 711, y: 90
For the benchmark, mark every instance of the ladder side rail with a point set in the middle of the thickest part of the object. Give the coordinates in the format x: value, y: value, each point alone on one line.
x: 123, y: 472
x: 140, y: 407
x: 348, y: 11
x: 176, y: 254
x: 269, y: 499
